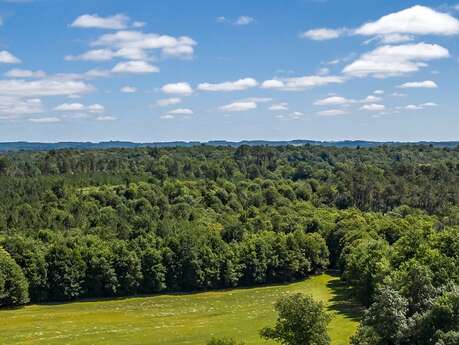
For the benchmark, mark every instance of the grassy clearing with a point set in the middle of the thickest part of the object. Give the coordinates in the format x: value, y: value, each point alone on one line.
x: 172, y: 319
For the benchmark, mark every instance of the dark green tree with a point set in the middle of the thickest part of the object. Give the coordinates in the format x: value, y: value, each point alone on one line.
x: 301, y: 321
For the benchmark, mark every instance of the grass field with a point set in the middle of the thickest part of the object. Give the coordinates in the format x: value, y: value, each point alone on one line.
x: 172, y: 319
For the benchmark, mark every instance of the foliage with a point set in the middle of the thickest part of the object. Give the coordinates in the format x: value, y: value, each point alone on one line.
x: 13, y: 284
x: 301, y: 321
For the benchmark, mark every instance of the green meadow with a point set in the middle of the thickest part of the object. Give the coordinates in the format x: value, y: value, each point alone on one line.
x: 190, y: 319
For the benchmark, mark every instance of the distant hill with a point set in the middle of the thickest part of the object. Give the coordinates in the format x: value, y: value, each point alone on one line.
x: 38, y: 146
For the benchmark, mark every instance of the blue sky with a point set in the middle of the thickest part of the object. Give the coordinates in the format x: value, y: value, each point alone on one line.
x: 203, y: 70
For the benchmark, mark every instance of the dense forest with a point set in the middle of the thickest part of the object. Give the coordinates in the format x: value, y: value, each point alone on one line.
x: 118, y: 222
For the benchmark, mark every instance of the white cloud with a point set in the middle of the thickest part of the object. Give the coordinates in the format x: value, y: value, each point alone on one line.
x: 301, y: 83
x: 181, y: 111
x: 105, y: 118
x: 116, y: 22
x: 429, y: 104
x: 69, y: 107
x: 129, y: 89
x: 12, y: 107
x: 420, y: 106
x: 181, y: 88
x: 389, y: 60
x: 43, y: 87
x: 427, y: 84
x: 240, y: 21
x: 135, y: 44
x: 322, y: 34
x: 92, y: 55
x: 257, y: 99
x: 239, y: 106
x: 135, y: 67
x: 378, y: 92
x: 324, y: 71
x: 413, y: 107
x: 416, y: 20
x: 342, y: 101
x: 167, y: 117
x: 97, y: 73
x: 45, y: 120
x: 272, y: 84
x: 244, y: 20
x: 279, y: 107
x: 23, y: 73
x: 373, y: 107
x: 168, y: 101
x: 238, y: 85
x: 371, y: 99
x: 398, y: 27
x: 138, y: 24
x: 395, y: 38
x: 332, y: 112
x: 296, y: 115
x: 94, y: 108
x: 8, y: 58
x: 334, y: 100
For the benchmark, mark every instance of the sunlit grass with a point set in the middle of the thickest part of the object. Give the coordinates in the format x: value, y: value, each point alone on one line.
x: 172, y: 319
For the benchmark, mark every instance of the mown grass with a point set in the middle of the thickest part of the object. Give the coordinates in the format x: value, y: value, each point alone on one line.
x: 189, y: 319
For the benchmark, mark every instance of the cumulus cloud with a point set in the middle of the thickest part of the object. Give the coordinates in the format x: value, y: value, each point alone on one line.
x: 181, y: 111
x: 420, y: 106
x: 94, y: 108
x: 23, y: 73
x: 273, y: 84
x: 334, y: 100
x: 69, y: 107
x: 181, y: 88
x: 43, y: 87
x: 301, y: 83
x: 105, y: 118
x: 238, y: 85
x: 12, y: 107
x: 395, y: 38
x: 134, y: 67
x: 257, y: 99
x: 240, y: 21
x: 97, y: 73
x: 168, y: 101
x: 373, y: 107
x: 8, y: 58
x: 397, y: 27
x: 244, y: 20
x: 332, y: 112
x: 239, y: 106
x: 296, y: 115
x: 45, y: 120
x: 129, y: 89
x: 86, y: 21
x: 322, y: 34
x: 427, y: 84
x: 416, y: 20
x: 371, y: 99
x: 92, y: 55
x: 343, y: 101
x: 397, y: 60
x: 279, y: 107
x: 135, y: 44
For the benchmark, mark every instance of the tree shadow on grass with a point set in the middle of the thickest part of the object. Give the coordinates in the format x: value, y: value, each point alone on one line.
x: 342, y: 301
